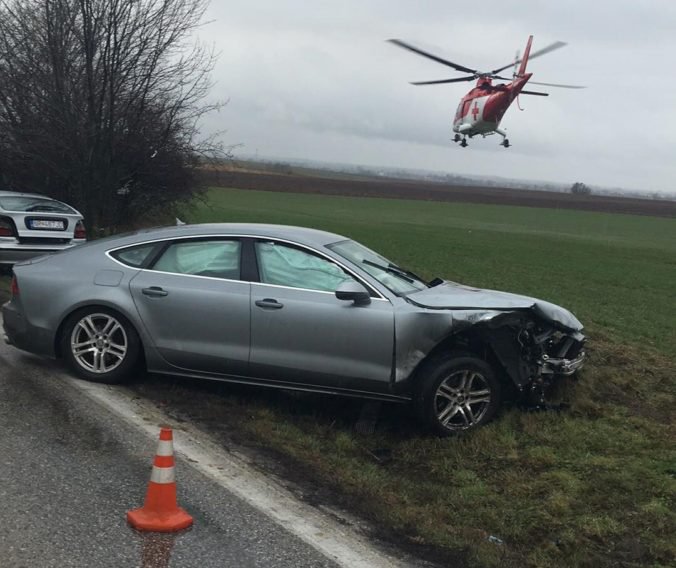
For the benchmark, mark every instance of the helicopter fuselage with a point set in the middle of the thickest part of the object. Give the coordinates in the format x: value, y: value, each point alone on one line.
x: 481, y: 110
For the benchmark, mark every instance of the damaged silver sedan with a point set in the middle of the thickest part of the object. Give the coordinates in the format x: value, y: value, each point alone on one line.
x: 291, y: 308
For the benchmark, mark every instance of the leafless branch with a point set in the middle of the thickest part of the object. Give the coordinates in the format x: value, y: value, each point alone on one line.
x: 100, y: 102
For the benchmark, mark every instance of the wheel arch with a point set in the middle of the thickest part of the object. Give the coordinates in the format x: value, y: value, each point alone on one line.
x: 95, y: 304
x: 469, y: 341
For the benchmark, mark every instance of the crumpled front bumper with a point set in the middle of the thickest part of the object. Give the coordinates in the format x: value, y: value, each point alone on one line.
x: 565, y: 357
x: 563, y: 366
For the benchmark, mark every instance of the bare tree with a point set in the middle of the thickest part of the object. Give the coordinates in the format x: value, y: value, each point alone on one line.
x: 100, y: 102
x: 579, y: 188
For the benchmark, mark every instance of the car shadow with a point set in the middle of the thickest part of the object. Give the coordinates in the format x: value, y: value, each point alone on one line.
x: 213, y: 400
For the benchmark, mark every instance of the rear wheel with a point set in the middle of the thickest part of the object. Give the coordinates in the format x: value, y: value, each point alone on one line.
x: 100, y: 345
x: 457, y: 392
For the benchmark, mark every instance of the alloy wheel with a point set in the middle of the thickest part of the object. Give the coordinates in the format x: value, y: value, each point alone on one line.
x: 99, y: 343
x: 462, y: 399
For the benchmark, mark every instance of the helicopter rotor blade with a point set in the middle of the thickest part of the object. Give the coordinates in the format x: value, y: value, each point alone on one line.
x: 455, y: 66
x: 549, y: 48
x: 558, y: 85
x: 538, y: 93
x: 517, y: 58
x: 458, y: 80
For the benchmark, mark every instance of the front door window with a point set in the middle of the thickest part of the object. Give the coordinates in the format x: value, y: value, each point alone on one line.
x: 296, y: 268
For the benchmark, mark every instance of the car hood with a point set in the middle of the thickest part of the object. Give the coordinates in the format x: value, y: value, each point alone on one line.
x: 453, y: 296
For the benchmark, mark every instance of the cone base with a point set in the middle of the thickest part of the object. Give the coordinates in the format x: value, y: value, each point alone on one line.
x: 143, y: 520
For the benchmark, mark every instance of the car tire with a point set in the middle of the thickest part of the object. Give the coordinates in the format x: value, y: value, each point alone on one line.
x: 456, y: 393
x: 100, y: 345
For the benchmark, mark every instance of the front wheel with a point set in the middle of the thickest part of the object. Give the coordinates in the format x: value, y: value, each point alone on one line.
x: 457, y: 393
x: 100, y: 345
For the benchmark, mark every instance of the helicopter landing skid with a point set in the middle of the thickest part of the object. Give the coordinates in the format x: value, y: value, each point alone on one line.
x: 505, y: 140
x: 461, y: 139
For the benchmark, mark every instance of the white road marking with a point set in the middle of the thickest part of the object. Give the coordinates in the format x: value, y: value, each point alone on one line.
x: 335, y: 540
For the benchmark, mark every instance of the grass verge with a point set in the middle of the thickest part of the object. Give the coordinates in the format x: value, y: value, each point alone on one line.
x: 592, y: 486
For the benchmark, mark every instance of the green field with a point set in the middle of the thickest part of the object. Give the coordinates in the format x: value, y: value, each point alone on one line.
x: 591, y: 486
x: 616, y: 272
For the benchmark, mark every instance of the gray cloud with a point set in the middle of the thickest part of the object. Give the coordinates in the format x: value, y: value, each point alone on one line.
x: 316, y: 80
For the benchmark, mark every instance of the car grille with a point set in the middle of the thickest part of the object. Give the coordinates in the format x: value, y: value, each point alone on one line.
x: 42, y: 241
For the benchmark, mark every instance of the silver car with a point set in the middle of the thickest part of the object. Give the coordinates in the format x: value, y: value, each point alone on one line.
x: 32, y: 225
x: 291, y: 308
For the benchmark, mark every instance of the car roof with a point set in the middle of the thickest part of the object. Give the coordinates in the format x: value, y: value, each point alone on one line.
x: 302, y: 235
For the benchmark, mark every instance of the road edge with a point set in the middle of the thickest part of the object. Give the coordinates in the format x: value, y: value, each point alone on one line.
x: 332, y: 534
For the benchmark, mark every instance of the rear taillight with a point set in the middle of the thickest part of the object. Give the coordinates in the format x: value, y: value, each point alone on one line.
x: 14, y: 288
x: 6, y: 227
x: 80, y: 232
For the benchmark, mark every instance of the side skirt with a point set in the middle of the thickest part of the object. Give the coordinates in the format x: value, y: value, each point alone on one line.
x: 293, y: 386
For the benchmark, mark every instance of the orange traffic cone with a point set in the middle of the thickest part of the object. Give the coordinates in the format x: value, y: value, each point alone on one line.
x: 160, y: 511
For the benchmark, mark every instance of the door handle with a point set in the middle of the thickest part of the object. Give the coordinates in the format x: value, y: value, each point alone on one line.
x: 270, y: 304
x: 154, y: 292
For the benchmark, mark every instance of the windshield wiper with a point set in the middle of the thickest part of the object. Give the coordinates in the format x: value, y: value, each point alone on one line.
x: 407, y: 272
x: 392, y: 269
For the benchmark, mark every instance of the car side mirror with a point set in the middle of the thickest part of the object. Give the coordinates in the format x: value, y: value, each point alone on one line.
x: 354, y: 292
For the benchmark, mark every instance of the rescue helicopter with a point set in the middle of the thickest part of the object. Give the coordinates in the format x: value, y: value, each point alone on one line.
x: 481, y: 110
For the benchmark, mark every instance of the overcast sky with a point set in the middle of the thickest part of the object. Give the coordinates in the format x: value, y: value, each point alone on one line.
x: 316, y: 80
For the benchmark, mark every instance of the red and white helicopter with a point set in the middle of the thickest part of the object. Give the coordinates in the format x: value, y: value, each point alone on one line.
x: 481, y: 110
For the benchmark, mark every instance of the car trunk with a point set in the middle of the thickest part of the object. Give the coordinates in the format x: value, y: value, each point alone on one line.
x: 45, y: 228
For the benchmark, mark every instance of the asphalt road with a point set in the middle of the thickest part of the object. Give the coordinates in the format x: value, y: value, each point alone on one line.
x: 70, y: 469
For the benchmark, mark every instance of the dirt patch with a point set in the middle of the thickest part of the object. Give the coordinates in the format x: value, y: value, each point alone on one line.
x: 428, y: 191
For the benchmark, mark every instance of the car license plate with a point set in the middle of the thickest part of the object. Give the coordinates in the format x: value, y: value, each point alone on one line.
x: 45, y: 224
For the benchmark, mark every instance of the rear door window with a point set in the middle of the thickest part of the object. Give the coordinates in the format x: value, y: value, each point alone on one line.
x: 216, y: 258
x: 134, y: 256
